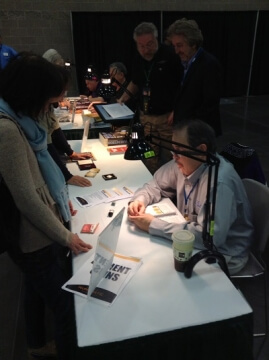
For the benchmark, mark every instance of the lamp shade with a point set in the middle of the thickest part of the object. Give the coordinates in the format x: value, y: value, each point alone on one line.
x: 106, y: 91
x: 67, y: 63
x: 138, y: 148
x: 92, y: 73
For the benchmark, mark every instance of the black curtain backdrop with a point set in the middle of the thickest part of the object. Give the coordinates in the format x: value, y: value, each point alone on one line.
x: 260, y: 73
x: 101, y: 38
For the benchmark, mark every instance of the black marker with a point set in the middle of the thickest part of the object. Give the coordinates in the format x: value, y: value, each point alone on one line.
x: 110, y: 213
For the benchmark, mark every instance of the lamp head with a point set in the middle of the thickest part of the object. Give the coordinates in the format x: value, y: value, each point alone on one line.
x: 107, y: 90
x: 138, y: 148
x: 68, y: 64
x: 92, y: 73
x: 106, y: 79
x: 91, y: 68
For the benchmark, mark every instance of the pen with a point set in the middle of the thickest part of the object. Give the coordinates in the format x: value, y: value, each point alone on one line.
x: 127, y: 190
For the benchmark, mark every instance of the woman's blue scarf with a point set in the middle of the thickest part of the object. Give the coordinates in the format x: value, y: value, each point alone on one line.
x: 37, y: 138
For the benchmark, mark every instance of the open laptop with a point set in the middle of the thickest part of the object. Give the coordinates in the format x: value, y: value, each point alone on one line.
x: 105, y: 250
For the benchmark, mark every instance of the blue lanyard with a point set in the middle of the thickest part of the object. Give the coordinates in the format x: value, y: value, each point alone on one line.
x: 189, y: 63
x: 186, y: 198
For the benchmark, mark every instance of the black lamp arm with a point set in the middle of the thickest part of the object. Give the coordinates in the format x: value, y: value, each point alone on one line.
x: 124, y: 88
x: 190, y: 152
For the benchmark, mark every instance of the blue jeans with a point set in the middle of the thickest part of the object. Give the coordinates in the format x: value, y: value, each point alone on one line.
x: 44, y: 276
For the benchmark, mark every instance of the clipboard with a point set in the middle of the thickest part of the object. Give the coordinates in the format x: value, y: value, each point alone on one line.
x: 123, y: 111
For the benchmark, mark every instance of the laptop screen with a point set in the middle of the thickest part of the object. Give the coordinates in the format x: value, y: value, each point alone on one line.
x: 105, y: 250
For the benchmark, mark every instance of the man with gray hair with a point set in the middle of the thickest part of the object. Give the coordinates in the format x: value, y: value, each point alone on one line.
x: 200, y: 84
x: 118, y: 74
x: 186, y: 180
x: 54, y: 57
x: 155, y: 78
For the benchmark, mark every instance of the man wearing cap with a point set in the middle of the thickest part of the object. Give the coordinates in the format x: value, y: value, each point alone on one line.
x: 93, y: 84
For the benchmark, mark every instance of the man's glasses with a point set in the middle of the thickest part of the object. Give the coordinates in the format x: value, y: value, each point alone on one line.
x: 150, y: 45
x: 175, y: 154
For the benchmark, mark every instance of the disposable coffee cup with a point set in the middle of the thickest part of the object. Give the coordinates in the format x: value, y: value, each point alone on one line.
x: 183, y: 241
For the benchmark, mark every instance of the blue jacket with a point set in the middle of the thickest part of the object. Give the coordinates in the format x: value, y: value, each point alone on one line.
x: 198, y: 96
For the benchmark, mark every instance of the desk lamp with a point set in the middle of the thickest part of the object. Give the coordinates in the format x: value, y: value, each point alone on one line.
x: 91, y: 69
x: 107, y: 90
x: 139, y: 149
x: 124, y: 88
x: 68, y: 64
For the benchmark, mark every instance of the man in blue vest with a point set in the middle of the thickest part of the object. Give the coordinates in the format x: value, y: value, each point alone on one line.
x: 6, y: 54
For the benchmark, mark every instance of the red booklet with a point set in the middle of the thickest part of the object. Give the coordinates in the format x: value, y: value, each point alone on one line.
x: 117, y: 150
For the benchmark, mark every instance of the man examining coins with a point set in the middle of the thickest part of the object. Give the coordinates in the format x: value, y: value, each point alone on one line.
x: 185, y: 180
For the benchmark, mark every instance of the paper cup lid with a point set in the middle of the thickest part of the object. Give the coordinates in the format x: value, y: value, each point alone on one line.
x: 183, y: 235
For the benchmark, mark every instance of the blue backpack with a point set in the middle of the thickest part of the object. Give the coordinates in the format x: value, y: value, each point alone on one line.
x: 245, y: 161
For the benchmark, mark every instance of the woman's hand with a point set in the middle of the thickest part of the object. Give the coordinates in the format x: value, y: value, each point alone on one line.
x: 80, y: 156
x: 77, y: 245
x: 79, y: 181
x: 71, y: 208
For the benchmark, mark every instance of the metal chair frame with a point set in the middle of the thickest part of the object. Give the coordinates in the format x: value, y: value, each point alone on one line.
x: 258, y: 195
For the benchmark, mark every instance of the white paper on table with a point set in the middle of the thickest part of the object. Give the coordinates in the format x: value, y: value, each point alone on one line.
x: 106, y: 195
x: 119, y: 193
x: 118, y: 110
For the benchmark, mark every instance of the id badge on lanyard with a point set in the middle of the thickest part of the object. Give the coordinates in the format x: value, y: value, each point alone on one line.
x: 146, y: 98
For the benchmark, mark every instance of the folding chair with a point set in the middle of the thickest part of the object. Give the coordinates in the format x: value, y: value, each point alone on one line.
x: 245, y: 161
x: 258, y: 195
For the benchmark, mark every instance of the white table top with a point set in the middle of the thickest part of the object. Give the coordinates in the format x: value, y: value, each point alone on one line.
x: 78, y: 123
x: 157, y: 299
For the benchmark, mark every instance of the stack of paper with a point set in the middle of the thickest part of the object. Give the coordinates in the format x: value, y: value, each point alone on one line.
x: 104, y: 196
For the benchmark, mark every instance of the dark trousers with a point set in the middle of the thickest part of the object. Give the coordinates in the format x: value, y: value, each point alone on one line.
x: 44, y: 275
